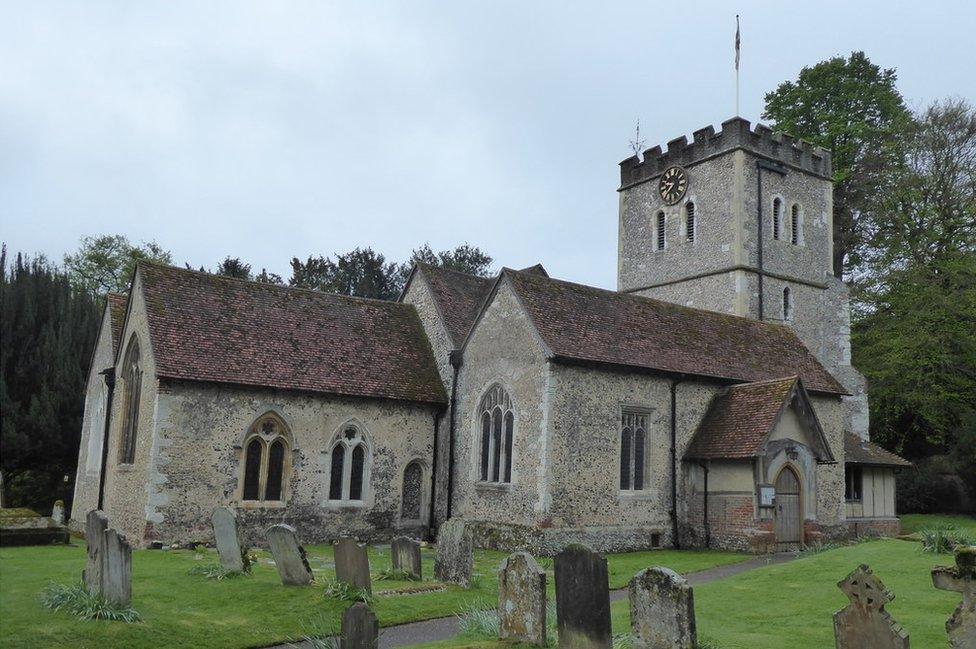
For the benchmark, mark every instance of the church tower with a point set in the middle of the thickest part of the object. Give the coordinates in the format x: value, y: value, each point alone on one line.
x: 740, y: 221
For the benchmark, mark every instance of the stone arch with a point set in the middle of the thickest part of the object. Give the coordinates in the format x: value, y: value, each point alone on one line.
x: 348, y: 464
x: 266, y: 461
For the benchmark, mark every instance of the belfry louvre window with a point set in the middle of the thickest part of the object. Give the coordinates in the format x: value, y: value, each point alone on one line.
x: 497, y: 423
x: 777, y: 216
x: 266, y: 461
x: 795, y: 225
x: 132, y: 387
x: 659, y: 243
x: 633, y: 450
x: 349, y: 464
x: 787, y: 304
x: 690, y: 221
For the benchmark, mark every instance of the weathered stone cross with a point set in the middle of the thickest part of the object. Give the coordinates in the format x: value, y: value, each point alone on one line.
x: 961, y: 627
x: 863, y: 623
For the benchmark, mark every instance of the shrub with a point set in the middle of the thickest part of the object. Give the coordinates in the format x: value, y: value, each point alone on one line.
x: 87, y: 606
x: 215, y: 571
x: 944, y: 539
x: 346, y: 592
x: 926, y: 490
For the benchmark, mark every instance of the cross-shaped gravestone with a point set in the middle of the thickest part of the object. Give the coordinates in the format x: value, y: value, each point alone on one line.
x: 863, y: 623
x: 961, y: 627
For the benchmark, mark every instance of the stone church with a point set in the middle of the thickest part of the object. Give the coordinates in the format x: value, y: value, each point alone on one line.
x: 708, y: 401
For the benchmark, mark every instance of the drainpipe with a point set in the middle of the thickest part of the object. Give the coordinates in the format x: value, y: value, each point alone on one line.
x: 778, y: 169
x: 708, y: 531
x: 455, y: 359
x: 674, y: 466
x: 431, y: 520
x: 109, y: 376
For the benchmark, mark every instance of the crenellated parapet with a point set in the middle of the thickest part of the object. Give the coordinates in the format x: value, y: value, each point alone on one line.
x: 736, y: 133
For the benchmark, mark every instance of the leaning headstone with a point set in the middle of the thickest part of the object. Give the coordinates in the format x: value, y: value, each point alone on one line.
x: 454, y: 562
x: 405, y: 553
x: 352, y: 564
x: 57, y: 512
x: 289, y: 556
x: 228, y: 539
x: 582, y: 599
x: 662, y: 610
x: 864, y: 624
x: 95, y: 525
x: 961, y: 627
x: 117, y: 569
x: 522, y: 600
x: 360, y: 628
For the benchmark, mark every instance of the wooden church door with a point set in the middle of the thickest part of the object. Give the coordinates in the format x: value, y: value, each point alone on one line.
x: 786, y: 520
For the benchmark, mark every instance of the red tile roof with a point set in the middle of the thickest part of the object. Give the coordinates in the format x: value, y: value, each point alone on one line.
x: 859, y: 451
x: 210, y: 328
x: 739, y: 420
x: 116, y: 304
x: 459, y: 297
x: 584, y: 323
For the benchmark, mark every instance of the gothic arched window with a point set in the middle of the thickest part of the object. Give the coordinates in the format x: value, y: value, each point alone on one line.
x: 690, y: 221
x: 777, y: 217
x: 497, y: 421
x: 787, y: 304
x: 633, y: 450
x: 266, y: 461
x: 795, y: 225
x: 131, y: 393
x: 349, y: 460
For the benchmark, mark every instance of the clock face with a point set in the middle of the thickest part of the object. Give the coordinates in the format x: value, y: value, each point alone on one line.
x: 673, y: 185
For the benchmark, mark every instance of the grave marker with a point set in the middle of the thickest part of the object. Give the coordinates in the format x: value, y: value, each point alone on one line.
x: 662, y: 610
x: 453, y: 562
x: 352, y: 564
x: 405, y: 554
x: 289, y: 556
x: 961, y: 627
x: 522, y: 600
x: 864, y: 624
x: 582, y: 599
x: 360, y: 628
x: 228, y: 539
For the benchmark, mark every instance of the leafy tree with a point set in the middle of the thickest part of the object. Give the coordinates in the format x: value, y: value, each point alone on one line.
x: 464, y: 258
x: 106, y: 263
x: 852, y: 108
x: 916, y: 306
x: 268, y: 278
x: 48, y: 328
x: 362, y: 273
x: 234, y: 267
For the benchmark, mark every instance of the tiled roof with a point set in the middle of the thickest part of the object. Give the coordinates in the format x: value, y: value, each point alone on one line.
x: 859, y: 451
x: 116, y: 304
x: 210, y: 328
x: 739, y: 420
x: 584, y: 323
x: 459, y: 297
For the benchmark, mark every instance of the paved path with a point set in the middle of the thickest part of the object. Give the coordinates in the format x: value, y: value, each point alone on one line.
x: 445, y: 628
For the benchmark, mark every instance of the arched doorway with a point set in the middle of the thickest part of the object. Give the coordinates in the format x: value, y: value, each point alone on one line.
x: 787, y: 521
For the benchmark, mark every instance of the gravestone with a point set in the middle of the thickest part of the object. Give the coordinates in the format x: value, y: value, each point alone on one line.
x: 57, y: 512
x: 453, y: 562
x: 352, y: 564
x: 405, y: 553
x: 228, y: 539
x: 360, y: 628
x: 289, y: 556
x: 864, y: 624
x: 522, y: 600
x: 662, y: 610
x: 582, y: 599
x: 961, y: 627
x: 95, y: 525
x: 117, y: 568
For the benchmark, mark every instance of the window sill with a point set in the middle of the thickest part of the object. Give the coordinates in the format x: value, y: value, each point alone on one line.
x: 503, y: 487
x: 344, y: 504
x: 631, y: 495
x: 262, y: 504
x: 859, y: 501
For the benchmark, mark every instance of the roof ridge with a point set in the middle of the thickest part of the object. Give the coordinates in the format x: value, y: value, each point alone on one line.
x: 280, y: 287
x: 672, y: 305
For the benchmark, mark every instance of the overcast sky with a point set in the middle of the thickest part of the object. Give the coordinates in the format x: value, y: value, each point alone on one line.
x: 279, y: 129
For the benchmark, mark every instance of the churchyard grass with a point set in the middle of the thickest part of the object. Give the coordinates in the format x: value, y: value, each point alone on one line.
x: 179, y: 609
x: 912, y: 523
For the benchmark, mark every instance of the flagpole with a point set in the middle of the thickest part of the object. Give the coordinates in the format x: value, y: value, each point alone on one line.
x: 737, y: 65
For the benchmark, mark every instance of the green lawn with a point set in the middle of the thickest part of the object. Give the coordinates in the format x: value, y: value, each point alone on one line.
x: 792, y: 604
x: 911, y: 523
x: 183, y: 611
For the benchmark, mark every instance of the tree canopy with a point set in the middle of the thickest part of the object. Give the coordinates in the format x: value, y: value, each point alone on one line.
x: 105, y: 264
